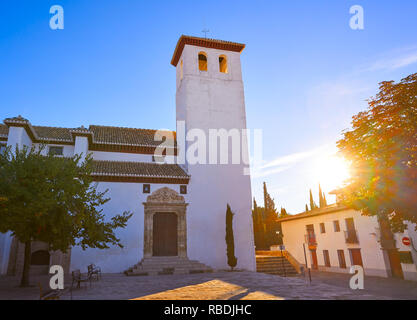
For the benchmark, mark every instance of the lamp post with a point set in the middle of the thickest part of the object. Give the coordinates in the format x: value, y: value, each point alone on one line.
x: 305, y: 257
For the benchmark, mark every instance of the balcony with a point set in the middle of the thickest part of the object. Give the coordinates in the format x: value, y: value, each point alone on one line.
x: 310, y: 239
x: 351, y: 236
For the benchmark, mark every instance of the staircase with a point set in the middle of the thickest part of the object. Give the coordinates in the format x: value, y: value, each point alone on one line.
x: 166, y: 265
x: 275, y: 265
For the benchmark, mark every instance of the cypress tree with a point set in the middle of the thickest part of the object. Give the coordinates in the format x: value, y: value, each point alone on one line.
x: 312, y: 203
x: 321, y: 200
x: 230, y: 241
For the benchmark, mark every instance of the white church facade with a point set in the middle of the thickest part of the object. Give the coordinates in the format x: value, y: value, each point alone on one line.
x: 178, y: 223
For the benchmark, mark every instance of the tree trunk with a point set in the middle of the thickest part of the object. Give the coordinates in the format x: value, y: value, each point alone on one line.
x: 26, y: 265
x: 388, y: 244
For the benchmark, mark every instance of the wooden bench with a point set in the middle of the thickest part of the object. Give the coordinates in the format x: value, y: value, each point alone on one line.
x: 94, y: 270
x: 78, y: 278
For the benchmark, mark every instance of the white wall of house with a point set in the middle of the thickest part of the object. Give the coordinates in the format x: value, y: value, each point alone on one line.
x: 68, y: 150
x: 372, y: 256
x: 374, y: 259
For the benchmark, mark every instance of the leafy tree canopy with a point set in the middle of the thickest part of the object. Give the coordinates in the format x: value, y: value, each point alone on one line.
x: 52, y: 199
x: 382, y: 149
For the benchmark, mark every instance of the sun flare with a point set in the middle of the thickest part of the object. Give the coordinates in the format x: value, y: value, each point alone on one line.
x: 331, y: 171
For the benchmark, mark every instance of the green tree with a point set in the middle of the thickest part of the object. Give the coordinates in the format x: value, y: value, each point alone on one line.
x: 270, y: 219
x: 52, y: 199
x: 313, y: 205
x: 322, y: 198
x: 283, y: 213
x: 230, y: 241
x: 382, y: 150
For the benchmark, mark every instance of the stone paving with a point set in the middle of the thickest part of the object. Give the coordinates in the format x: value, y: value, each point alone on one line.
x: 207, y: 286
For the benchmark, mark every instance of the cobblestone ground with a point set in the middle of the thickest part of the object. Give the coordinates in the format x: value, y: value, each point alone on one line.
x: 211, y: 286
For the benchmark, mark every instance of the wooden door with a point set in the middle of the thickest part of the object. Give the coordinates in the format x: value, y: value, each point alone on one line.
x: 395, y: 263
x: 314, y: 263
x: 165, y: 237
x: 356, y: 257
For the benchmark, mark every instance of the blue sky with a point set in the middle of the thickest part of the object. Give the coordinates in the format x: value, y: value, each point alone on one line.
x: 305, y: 71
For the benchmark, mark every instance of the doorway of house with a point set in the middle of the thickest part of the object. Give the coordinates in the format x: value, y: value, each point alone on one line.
x: 314, y: 264
x: 356, y: 257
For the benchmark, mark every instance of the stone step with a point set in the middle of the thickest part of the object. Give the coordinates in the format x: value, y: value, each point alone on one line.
x: 167, y: 265
x: 175, y: 268
x: 275, y: 265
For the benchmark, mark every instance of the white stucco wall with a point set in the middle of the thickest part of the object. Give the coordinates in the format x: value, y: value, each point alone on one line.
x: 124, y: 197
x: 213, y: 100
x: 67, y: 151
x: 372, y: 256
x: 120, y: 156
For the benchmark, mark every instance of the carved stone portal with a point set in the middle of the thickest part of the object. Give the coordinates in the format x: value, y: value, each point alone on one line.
x: 165, y: 200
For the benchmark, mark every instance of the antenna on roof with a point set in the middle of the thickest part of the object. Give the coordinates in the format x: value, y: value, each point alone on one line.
x: 205, y: 31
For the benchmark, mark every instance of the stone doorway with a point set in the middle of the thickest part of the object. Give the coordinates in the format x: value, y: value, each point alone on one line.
x: 165, y: 226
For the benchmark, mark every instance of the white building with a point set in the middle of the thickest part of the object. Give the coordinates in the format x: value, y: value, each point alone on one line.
x: 336, y: 237
x: 178, y: 209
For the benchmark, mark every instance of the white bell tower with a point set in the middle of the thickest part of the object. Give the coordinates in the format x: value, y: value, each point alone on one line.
x: 210, y: 96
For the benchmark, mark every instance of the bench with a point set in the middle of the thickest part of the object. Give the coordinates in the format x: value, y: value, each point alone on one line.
x: 94, y: 270
x: 78, y: 278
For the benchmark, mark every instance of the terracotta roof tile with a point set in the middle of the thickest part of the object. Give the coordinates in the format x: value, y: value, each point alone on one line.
x: 124, y: 136
x: 204, y: 42
x: 100, y: 134
x: 53, y: 133
x: 137, y: 169
x: 316, y: 212
x: 4, y: 131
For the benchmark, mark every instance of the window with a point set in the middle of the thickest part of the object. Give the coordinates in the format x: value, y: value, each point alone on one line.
x: 322, y: 228
x: 326, y: 258
x: 181, y: 70
x: 40, y: 258
x: 336, y: 226
x: 350, y: 225
x: 183, y: 189
x: 342, y: 261
x: 146, y: 188
x: 202, y: 61
x: 56, y: 151
x: 223, y: 64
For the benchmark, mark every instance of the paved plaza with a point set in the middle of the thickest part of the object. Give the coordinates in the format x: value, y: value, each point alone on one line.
x: 221, y: 286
